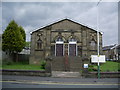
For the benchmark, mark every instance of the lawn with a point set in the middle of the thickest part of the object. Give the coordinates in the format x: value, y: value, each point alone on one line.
x: 20, y: 66
x: 109, y: 66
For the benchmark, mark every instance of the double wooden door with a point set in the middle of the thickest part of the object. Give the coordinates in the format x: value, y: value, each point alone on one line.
x: 72, y: 50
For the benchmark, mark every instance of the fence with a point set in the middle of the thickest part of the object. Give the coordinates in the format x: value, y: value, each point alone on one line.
x: 21, y: 57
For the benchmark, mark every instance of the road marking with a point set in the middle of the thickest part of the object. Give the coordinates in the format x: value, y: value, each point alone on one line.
x: 52, y: 83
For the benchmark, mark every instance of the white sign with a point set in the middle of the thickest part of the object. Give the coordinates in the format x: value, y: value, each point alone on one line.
x: 85, y: 65
x: 96, y: 58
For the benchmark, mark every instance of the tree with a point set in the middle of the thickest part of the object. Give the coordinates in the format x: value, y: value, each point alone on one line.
x: 22, y: 32
x: 12, y: 39
x: 27, y: 45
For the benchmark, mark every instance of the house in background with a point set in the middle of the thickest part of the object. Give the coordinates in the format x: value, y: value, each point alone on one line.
x: 118, y: 52
x: 0, y: 46
x: 26, y: 50
x: 111, y: 52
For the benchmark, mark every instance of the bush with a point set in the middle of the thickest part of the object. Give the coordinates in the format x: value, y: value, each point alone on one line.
x: 90, y: 68
x: 119, y: 69
x: 42, y: 64
x: 93, y: 68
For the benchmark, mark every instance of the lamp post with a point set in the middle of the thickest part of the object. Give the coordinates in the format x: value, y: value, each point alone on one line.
x: 98, y: 39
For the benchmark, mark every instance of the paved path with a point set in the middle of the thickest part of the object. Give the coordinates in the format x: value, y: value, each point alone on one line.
x: 65, y: 74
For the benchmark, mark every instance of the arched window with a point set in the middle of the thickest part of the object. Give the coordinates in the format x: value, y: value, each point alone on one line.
x: 72, y: 40
x: 92, y: 44
x: 59, y: 39
x: 72, y: 47
x: 59, y: 47
x: 39, y: 43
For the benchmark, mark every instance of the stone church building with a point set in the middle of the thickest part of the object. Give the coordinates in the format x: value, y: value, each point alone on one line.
x: 67, y: 42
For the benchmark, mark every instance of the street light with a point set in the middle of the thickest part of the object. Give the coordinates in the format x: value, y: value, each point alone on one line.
x: 98, y: 39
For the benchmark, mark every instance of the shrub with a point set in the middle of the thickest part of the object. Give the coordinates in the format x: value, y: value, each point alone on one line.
x: 90, y: 68
x: 93, y: 68
x: 42, y: 64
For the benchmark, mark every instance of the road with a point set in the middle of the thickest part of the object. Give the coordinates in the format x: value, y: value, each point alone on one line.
x: 50, y: 82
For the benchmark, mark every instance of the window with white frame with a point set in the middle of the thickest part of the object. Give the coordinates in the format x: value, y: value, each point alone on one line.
x: 59, y: 47
x: 72, y: 47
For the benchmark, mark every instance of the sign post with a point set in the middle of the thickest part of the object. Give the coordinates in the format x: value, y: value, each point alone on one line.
x: 98, y: 68
x: 98, y: 59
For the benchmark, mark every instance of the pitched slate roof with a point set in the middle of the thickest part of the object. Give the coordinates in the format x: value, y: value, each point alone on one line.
x: 61, y: 21
x: 108, y: 47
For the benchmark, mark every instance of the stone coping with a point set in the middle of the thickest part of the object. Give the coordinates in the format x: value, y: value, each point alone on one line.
x: 21, y: 70
x: 41, y: 73
x: 106, y: 72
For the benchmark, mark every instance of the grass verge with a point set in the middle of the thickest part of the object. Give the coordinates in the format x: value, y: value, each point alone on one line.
x: 109, y: 66
x: 20, y: 66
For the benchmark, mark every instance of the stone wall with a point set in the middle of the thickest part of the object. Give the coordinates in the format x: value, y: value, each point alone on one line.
x: 26, y: 72
x: 47, y: 74
x: 102, y: 75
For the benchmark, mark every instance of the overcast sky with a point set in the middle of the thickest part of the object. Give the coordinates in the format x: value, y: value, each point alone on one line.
x: 32, y: 16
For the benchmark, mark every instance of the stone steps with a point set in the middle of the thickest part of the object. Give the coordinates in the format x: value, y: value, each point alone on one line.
x: 59, y: 64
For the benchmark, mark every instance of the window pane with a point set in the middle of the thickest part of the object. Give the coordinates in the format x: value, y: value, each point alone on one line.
x: 59, y: 39
x: 92, y: 43
x: 39, y: 44
x: 72, y: 40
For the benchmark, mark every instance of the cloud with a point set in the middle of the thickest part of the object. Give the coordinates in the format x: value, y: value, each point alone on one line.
x: 109, y: 22
x: 33, y: 15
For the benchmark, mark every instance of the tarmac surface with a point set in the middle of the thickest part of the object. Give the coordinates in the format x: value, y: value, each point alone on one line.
x: 12, y: 81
